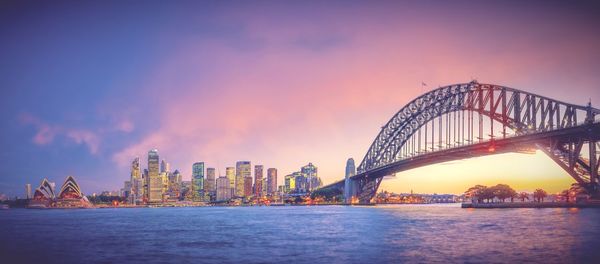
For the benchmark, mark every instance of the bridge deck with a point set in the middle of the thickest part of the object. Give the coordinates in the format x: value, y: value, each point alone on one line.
x: 502, y: 145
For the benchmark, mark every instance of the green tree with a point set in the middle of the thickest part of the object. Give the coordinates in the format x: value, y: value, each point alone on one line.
x: 488, y: 194
x: 476, y: 193
x: 503, y: 192
x: 523, y: 196
x: 539, y: 195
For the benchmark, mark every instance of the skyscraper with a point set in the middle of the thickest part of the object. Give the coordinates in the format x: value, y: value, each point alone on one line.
x: 310, y: 174
x: 350, y: 171
x: 247, y: 186
x: 223, y: 189
x: 175, y: 185
x: 350, y: 168
x: 230, y: 174
x: 258, y: 180
x: 242, y: 171
x: 136, y: 194
x: 271, y: 181
x: 165, y: 166
x: 209, y: 184
x: 198, y: 180
x: 145, y: 185
x: 28, y: 191
x: 290, y: 183
x: 164, y: 177
x: 155, y: 182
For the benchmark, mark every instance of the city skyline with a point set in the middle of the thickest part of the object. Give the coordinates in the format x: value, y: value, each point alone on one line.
x: 260, y: 83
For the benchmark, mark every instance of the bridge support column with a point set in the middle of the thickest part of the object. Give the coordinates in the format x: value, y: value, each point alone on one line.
x: 367, y: 189
x: 348, y: 190
x: 593, y: 166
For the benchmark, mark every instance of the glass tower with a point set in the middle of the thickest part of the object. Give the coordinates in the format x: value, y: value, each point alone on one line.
x: 241, y: 174
x: 198, y: 179
x: 155, y: 182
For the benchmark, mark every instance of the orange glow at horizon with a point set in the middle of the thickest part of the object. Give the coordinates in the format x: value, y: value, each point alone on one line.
x: 523, y: 172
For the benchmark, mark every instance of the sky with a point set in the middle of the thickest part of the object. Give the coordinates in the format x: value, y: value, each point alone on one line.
x: 89, y: 85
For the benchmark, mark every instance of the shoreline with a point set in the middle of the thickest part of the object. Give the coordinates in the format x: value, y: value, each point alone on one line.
x: 593, y: 204
x: 530, y: 205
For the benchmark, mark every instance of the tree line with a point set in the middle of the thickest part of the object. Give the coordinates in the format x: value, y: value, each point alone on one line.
x: 502, y: 192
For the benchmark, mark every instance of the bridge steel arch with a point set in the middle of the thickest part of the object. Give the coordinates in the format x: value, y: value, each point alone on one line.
x: 474, y: 119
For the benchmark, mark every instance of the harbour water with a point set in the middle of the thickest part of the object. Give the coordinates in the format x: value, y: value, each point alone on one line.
x: 317, y: 234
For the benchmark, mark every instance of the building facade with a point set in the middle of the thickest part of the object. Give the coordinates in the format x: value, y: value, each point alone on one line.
x: 230, y: 174
x: 258, y: 180
x: 223, y: 189
x: 209, y: 184
x: 155, y: 182
x: 165, y: 166
x: 271, y: 181
x: 310, y: 174
x: 198, y: 180
x: 290, y: 183
x: 174, y: 188
x: 136, y: 194
x: 242, y: 171
x: 28, y: 191
x: 350, y: 171
x: 247, y: 187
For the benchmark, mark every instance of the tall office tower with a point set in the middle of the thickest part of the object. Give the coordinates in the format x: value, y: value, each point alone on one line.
x: 155, y: 181
x: 248, y: 186
x: 223, y: 189
x: 258, y: 180
x: 242, y: 170
x: 209, y: 184
x: 165, y: 166
x: 350, y: 171
x: 312, y: 180
x: 271, y: 181
x: 164, y: 177
x: 175, y: 185
x: 137, y: 185
x: 350, y: 168
x: 28, y: 191
x: 126, y: 190
x: 145, y: 185
x: 230, y: 174
x: 198, y: 180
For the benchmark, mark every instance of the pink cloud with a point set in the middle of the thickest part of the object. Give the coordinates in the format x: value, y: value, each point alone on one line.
x: 84, y: 137
x: 125, y: 126
x: 46, y: 133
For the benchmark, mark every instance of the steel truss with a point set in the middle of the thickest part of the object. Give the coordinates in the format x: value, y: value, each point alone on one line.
x: 470, y: 114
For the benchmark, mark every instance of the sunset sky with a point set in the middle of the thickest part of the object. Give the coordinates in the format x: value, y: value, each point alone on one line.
x: 89, y: 85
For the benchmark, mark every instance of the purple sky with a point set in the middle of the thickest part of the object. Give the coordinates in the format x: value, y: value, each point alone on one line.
x: 87, y: 86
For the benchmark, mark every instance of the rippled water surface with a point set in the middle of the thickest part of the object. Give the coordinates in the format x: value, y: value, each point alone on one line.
x: 319, y: 234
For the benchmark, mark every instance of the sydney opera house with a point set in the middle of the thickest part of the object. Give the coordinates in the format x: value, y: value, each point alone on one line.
x: 70, y: 196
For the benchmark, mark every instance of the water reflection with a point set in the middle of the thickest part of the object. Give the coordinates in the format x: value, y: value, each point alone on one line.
x: 320, y: 234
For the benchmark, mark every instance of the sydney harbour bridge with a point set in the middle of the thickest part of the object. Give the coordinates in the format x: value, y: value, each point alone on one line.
x: 473, y: 119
